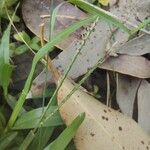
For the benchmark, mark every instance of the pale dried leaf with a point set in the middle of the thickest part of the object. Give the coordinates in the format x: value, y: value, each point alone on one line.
x: 103, y: 127
x: 95, y: 47
x: 132, y: 11
x: 124, y: 64
x: 68, y: 14
x: 38, y: 84
x: 138, y: 46
x: 144, y: 105
x: 136, y: 66
x: 96, y: 44
x: 126, y: 93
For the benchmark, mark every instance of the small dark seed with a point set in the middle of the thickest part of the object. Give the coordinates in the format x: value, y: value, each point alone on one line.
x: 92, y: 134
x: 103, y: 117
x: 106, y: 119
x: 105, y: 111
x: 120, y: 128
x: 109, y: 110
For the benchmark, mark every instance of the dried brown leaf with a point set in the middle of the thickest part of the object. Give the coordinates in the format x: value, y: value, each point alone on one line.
x: 103, y: 127
x: 34, y: 12
x: 136, y: 66
x: 126, y: 93
x: 144, y: 105
x: 138, y: 46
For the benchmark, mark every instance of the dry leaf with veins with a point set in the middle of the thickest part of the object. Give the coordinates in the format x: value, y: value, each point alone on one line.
x: 127, y: 88
x: 143, y: 97
x: 103, y: 127
x: 40, y: 10
x: 98, y: 40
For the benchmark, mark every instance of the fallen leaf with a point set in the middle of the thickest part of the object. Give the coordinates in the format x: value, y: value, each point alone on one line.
x: 67, y: 15
x: 144, y: 105
x: 94, y: 47
x: 124, y: 64
x: 133, y: 11
x: 39, y: 83
x: 138, y: 46
x: 103, y: 127
x: 136, y: 66
x: 126, y: 93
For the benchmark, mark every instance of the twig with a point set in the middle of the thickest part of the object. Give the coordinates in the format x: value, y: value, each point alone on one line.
x: 51, y: 68
x: 63, y: 16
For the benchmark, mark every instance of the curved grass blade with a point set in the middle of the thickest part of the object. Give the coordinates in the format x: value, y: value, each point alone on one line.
x: 46, y: 134
x: 31, y: 119
x: 24, y: 145
x: 5, y: 67
x: 53, y: 18
x: 140, y: 26
x: 7, y: 139
x: 66, y: 136
x: 41, y: 53
x: 107, y: 16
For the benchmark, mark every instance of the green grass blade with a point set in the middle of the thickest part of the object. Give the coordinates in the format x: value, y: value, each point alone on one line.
x: 61, y: 36
x: 53, y: 19
x: 46, y: 134
x: 27, y: 141
x: 11, y: 101
x: 5, y: 76
x: 4, y: 46
x: 41, y: 53
x: 5, y: 67
x: 31, y: 119
x: 43, y: 119
x: 142, y: 25
x: 105, y: 15
x: 66, y: 136
x: 7, y: 3
x: 7, y: 139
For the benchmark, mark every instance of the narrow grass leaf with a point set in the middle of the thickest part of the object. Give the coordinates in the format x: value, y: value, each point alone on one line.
x: 41, y: 53
x: 5, y: 67
x: 23, y: 35
x: 11, y: 101
x: 66, y: 136
x: 31, y: 119
x: 24, y: 145
x: 7, y: 4
x: 4, y: 46
x: 7, y: 139
x: 46, y: 134
x: 107, y: 16
x: 140, y: 26
x: 53, y: 18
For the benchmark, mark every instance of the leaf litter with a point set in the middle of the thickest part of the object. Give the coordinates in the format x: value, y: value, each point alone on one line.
x: 132, y: 63
x: 103, y: 127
